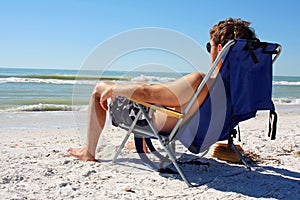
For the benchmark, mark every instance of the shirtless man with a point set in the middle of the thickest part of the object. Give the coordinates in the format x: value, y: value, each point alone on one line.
x: 174, y: 94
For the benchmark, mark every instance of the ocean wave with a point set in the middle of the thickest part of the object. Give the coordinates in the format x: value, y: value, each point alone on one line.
x: 45, y: 107
x: 152, y: 79
x: 287, y: 83
x: 61, y: 107
x: 59, y: 79
x: 92, y: 80
x: 46, y: 81
x: 67, y: 77
x: 285, y: 101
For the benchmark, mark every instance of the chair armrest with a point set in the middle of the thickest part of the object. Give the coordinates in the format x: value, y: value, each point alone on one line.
x: 167, y: 111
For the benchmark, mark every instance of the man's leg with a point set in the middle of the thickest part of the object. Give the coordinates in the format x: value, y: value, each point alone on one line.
x: 96, y: 122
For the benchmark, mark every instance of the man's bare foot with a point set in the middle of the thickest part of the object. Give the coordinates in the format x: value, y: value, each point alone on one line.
x: 131, y: 146
x: 81, y: 154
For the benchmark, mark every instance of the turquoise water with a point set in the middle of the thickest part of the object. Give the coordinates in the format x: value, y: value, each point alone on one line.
x: 54, y: 90
x: 286, y: 88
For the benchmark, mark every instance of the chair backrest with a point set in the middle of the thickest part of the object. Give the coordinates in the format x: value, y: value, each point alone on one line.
x: 242, y: 87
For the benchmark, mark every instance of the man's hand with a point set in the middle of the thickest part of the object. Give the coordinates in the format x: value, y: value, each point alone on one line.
x: 107, y: 93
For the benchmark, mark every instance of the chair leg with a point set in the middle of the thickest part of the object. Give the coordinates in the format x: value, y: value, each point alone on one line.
x: 176, y: 165
x: 126, y: 136
x: 240, y: 156
x: 166, y: 148
x: 121, y: 147
x: 140, y: 150
x: 232, y: 135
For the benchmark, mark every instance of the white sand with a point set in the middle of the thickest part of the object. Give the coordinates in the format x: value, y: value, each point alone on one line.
x: 34, y: 164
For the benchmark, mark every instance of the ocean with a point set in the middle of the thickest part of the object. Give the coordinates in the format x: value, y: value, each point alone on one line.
x: 59, y: 90
x: 64, y: 90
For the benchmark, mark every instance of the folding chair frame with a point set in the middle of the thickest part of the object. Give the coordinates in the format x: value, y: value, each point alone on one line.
x: 167, y: 141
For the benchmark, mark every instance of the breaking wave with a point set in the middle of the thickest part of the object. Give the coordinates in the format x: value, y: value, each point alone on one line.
x: 44, y: 107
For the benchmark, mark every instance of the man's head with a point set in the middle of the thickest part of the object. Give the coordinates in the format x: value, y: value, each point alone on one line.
x: 227, y: 30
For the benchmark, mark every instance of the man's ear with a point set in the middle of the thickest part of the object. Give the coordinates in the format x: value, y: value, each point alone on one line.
x: 219, y: 47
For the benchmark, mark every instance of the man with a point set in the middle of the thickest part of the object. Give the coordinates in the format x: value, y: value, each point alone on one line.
x: 175, y: 95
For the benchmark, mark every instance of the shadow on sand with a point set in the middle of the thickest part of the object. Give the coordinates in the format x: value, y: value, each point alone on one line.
x: 261, y: 181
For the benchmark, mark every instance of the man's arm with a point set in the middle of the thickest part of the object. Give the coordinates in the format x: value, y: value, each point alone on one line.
x: 172, y: 94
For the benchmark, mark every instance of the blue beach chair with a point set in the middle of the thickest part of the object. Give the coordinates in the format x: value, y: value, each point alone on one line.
x: 242, y: 87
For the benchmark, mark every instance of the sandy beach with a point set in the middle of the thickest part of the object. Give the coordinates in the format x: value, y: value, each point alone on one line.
x: 34, y: 163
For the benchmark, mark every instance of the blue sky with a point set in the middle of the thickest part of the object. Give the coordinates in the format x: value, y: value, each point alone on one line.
x: 62, y: 33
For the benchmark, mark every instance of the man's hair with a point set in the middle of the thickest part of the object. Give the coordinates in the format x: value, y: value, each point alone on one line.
x: 230, y: 29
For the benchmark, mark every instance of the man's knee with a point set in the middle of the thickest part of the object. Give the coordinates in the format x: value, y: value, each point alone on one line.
x: 100, y: 86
